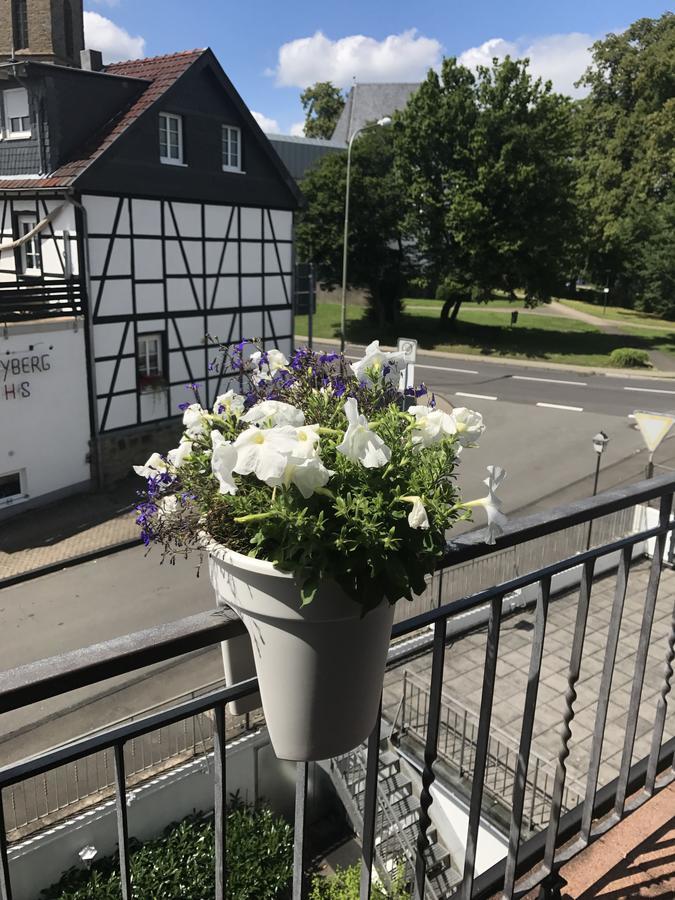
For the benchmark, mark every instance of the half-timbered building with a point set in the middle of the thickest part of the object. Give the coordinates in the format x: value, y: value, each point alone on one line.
x: 143, y: 199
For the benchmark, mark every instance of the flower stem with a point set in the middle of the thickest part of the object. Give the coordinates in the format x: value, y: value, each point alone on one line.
x: 255, y: 517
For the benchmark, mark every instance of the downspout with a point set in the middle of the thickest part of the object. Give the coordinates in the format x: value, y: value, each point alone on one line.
x: 85, y: 268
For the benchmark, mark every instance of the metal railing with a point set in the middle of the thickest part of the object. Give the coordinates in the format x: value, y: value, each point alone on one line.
x: 458, y: 745
x: 537, y: 860
x: 34, y: 298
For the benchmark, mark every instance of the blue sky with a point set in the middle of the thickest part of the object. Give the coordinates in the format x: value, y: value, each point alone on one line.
x: 272, y: 50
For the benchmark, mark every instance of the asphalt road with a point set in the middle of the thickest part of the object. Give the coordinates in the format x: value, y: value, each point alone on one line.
x: 546, y: 450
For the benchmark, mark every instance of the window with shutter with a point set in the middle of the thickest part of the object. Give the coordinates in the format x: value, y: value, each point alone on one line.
x: 17, y: 118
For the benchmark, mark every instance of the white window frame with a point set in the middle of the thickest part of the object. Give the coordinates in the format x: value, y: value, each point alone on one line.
x: 228, y: 166
x: 30, y: 219
x: 171, y: 160
x: 12, y: 498
x: 144, y: 352
x: 23, y: 132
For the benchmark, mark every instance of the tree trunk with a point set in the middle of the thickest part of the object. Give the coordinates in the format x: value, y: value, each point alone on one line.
x: 449, y: 319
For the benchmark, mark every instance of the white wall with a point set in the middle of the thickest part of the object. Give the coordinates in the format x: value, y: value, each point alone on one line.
x: 44, y: 415
x: 51, y: 239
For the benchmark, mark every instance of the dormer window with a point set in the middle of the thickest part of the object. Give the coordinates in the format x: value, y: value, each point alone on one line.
x: 17, y: 119
x: 231, y: 149
x: 171, y: 139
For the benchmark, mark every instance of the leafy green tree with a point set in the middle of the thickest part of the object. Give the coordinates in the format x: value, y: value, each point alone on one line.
x: 323, y: 103
x: 626, y: 128
x: 488, y: 164
x: 377, y: 259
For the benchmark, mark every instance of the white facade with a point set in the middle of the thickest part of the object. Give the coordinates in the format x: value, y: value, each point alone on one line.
x: 44, y: 412
x: 56, y: 241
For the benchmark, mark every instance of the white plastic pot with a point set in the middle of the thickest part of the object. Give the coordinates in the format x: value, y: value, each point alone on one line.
x: 320, y: 667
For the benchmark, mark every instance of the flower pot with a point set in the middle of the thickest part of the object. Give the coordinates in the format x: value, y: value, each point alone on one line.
x: 320, y: 667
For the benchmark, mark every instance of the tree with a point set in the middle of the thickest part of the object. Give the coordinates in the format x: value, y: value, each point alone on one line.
x: 488, y: 161
x: 377, y: 259
x: 323, y: 103
x: 626, y: 128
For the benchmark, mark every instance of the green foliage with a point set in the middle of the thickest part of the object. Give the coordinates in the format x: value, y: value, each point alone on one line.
x: 487, y: 164
x: 376, y: 260
x: 344, y: 885
x: 626, y: 133
x: 179, y: 865
x: 323, y: 103
x: 629, y: 358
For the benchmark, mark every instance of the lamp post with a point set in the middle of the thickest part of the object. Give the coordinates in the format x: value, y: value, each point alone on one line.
x: 600, y: 441
x: 382, y: 123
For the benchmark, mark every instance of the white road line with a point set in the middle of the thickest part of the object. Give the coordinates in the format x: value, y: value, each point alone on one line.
x: 549, y: 380
x: 475, y: 396
x: 648, y: 390
x: 447, y: 369
x: 558, y: 406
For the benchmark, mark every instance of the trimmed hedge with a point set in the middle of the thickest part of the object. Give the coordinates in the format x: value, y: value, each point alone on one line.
x: 179, y: 865
x: 629, y: 358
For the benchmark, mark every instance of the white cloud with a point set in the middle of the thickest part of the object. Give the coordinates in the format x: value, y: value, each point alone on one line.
x: 399, y: 57
x: 560, y: 58
x: 297, y: 129
x: 268, y: 125
x: 113, y: 41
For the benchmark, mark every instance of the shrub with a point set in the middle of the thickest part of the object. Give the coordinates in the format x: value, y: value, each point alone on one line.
x: 629, y: 358
x: 346, y: 882
x: 179, y: 865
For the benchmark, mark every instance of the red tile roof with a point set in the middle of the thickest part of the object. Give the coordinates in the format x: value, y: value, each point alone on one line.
x: 161, y: 73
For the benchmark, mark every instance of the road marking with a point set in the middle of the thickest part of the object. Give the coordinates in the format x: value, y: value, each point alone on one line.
x: 649, y: 390
x: 558, y: 406
x: 447, y: 369
x: 549, y: 380
x: 475, y: 396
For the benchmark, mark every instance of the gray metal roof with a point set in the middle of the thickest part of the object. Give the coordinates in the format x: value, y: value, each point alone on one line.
x: 300, y: 153
x: 368, y: 103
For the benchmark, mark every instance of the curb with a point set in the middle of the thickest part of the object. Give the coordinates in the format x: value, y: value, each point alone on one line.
x: 514, y: 361
x: 69, y: 562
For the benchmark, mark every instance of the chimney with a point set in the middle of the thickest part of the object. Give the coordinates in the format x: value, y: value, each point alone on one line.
x: 91, y: 60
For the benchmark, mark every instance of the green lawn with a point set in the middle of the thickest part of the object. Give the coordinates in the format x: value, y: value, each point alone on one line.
x: 619, y: 314
x: 483, y: 331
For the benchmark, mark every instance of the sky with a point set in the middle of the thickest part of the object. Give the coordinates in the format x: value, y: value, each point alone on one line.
x: 272, y: 50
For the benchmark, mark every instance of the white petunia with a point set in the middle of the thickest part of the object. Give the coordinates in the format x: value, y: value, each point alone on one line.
x: 417, y: 517
x: 360, y: 444
x: 265, y: 453
x: 195, y: 420
x: 376, y: 361
x: 467, y: 425
x: 274, y: 412
x: 153, y: 467
x: 306, y: 474
x: 491, y: 504
x: 307, y: 437
x: 265, y: 367
x: 223, y: 461
x: 229, y: 404
x: 431, y: 425
x: 178, y: 456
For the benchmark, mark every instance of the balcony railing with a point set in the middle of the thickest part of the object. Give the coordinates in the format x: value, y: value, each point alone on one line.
x: 531, y: 859
x: 38, y: 298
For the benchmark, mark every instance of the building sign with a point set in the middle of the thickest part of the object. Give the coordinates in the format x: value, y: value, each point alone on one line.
x: 18, y: 372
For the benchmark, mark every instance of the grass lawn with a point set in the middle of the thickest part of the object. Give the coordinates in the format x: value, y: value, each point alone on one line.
x: 482, y: 331
x: 619, y: 314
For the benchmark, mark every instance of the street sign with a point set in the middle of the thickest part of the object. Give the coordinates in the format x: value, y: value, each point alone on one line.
x: 653, y: 427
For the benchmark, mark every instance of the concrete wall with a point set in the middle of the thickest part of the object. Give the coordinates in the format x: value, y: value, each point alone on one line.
x: 44, y: 407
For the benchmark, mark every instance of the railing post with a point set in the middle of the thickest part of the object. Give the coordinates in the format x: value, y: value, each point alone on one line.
x: 220, y: 801
x: 403, y: 705
x: 430, y: 753
x: 370, y: 809
x: 462, y: 746
x: 122, y: 824
x: 299, y: 830
x: 5, y: 883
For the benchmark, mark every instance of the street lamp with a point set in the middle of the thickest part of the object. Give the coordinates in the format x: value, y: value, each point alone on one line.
x: 382, y: 123
x: 600, y: 441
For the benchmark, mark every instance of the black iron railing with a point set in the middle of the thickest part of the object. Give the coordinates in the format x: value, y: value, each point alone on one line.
x: 36, y: 298
x: 536, y: 860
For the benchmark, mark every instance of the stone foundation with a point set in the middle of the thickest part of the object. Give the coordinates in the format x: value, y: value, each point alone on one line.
x: 120, y: 450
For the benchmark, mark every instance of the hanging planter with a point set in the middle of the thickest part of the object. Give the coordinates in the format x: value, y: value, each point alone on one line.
x: 320, y: 667
x: 322, y: 498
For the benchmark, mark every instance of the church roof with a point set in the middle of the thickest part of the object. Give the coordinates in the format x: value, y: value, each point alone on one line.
x: 368, y: 103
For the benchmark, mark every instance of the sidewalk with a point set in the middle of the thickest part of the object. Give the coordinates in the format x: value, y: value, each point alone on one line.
x: 69, y: 528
